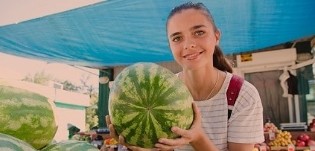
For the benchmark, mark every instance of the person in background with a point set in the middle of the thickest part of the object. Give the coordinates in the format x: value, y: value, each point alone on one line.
x: 72, y: 130
x: 194, y: 41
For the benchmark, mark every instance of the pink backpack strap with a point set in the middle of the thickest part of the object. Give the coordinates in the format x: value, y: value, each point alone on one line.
x: 233, y: 91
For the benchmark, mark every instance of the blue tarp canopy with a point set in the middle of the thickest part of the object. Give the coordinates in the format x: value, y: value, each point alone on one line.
x: 121, y: 32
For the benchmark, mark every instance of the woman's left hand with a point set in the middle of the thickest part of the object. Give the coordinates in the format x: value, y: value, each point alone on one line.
x: 187, y: 136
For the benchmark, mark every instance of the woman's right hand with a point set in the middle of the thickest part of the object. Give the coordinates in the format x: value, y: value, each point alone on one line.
x: 111, y: 128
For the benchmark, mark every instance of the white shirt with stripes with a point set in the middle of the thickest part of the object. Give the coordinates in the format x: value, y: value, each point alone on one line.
x: 245, y: 124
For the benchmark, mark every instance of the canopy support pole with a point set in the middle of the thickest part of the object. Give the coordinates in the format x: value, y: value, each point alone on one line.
x: 105, y: 76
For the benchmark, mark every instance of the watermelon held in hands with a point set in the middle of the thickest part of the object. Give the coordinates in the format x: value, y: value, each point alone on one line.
x: 27, y: 116
x: 10, y: 143
x: 145, y: 101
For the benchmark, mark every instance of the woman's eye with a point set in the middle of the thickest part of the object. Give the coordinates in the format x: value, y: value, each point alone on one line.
x: 199, y: 33
x: 176, y: 39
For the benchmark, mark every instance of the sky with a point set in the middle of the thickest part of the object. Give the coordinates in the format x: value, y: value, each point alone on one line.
x: 16, y: 68
x: 15, y: 11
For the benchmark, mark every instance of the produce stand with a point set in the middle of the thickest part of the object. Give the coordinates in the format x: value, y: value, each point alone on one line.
x: 273, y: 148
x: 295, y: 135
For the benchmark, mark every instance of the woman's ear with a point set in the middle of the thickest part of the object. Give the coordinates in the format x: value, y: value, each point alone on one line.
x: 218, y: 36
x: 218, y: 42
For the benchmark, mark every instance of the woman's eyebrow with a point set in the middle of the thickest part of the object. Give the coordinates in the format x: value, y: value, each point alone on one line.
x: 196, y: 27
x: 175, y: 34
x: 192, y: 28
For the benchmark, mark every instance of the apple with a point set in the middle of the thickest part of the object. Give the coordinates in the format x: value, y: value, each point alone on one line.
x: 304, y: 137
x: 300, y: 143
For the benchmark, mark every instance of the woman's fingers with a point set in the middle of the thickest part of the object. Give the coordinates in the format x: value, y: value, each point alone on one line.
x: 186, y: 136
x: 107, y: 120
x: 111, y: 128
x: 173, y: 142
x: 181, y: 132
x: 197, y: 118
x: 197, y: 114
x: 164, y: 144
x: 112, y: 131
x: 163, y: 147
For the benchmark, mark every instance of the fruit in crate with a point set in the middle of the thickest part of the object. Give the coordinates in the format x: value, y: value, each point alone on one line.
x: 270, y: 127
x: 302, y: 140
x: 27, y: 116
x: 283, y: 138
x: 300, y: 143
x: 110, y: 141
x: 145, y: 101
x: 303, y: 137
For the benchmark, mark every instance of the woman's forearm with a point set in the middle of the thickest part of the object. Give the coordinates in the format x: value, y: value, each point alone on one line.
x: 203, y: 144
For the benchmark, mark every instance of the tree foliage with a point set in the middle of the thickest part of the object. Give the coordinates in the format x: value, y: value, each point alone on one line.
x: 88, y: 88
x: 39, y: 78
x: 91, y: 116
x: 68, y: 86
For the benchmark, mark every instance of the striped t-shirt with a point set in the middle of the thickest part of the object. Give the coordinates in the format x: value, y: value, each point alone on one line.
x: 245, y: 124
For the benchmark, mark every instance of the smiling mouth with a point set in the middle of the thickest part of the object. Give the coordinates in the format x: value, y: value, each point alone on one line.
x: 193, y: 55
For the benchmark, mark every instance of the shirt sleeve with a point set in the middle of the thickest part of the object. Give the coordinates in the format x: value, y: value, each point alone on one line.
x: 246, y: 122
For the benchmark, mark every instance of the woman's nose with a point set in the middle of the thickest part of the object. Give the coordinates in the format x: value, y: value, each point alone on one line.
x: 190, y: 44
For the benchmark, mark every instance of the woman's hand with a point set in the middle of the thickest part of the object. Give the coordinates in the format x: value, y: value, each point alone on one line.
x: 121, y: 139
x: 187, y: 136
x: 134, y: 148
x: 111, y: 128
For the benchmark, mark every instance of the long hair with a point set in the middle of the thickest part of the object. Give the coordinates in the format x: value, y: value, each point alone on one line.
x: 219, y: 60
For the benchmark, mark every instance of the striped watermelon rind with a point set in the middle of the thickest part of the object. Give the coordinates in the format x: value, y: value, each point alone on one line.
x: 10, y: 143
x: 27, y: 116
x: 145, y: 101
x: 70, y: 145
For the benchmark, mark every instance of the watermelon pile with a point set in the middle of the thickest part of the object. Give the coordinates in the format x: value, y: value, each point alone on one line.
x: 9, y: 143
x: 71, y: 145
x: 145, y: 101
x: 27, y: 116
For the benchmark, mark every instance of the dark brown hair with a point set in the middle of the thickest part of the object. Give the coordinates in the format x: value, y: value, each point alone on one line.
x: 219, y: 60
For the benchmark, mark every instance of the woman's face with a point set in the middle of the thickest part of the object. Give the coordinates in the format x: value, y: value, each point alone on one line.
x: 192, y: 39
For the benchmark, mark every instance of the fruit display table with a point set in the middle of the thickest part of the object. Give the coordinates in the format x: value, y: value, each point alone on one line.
x: 294, y: 136
x: 286, y: 148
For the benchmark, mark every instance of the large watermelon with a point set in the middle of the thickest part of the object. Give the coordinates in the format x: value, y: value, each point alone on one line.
x: 27, y: 116
x: 71, y: 145
x: 145, y: 101
x: 10, y: 143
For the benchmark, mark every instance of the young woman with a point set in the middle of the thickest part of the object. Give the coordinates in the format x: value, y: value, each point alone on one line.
x: 194, y: 41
